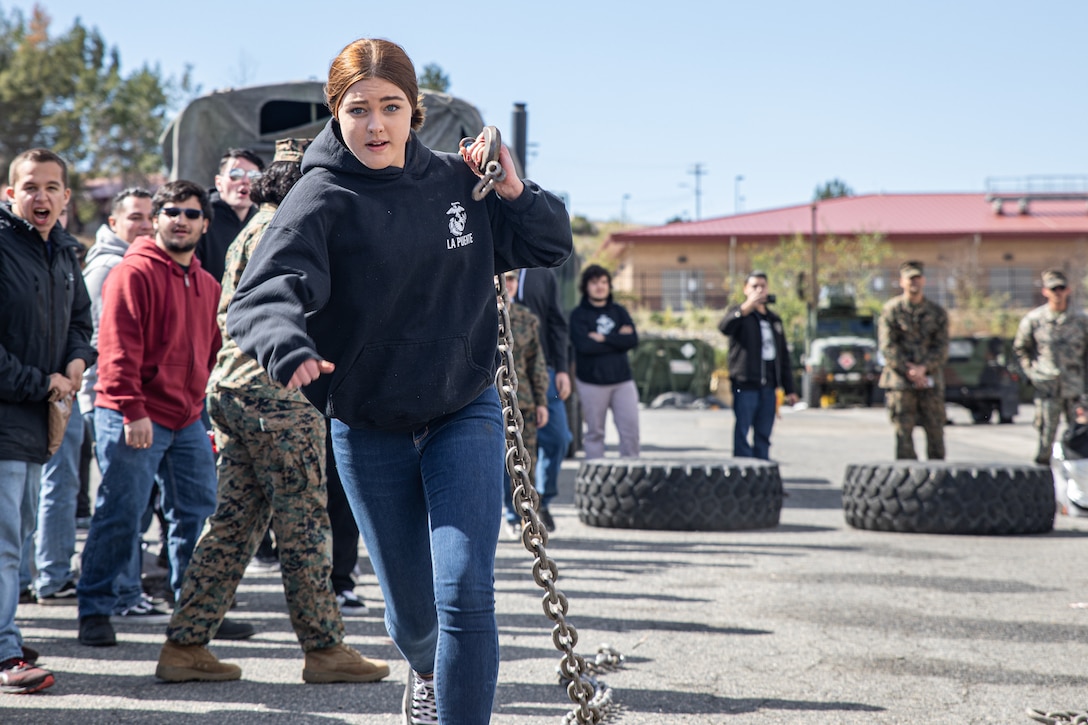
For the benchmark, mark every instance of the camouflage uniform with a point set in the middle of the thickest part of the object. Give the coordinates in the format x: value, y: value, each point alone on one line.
x: 532, y: 372
x: 1052, y: 348
x: 916, y: 334
x: 271, y: 465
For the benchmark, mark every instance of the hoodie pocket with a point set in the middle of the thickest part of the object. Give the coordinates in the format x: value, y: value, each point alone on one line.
x: 403, y: 385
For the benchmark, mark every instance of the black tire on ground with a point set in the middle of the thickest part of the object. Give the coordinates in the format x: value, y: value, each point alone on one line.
x: 938, y: 497
x: 661, y: 494
x: 982, y: 414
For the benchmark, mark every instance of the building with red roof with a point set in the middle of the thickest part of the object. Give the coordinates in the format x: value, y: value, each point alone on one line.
x: 1001, y: 240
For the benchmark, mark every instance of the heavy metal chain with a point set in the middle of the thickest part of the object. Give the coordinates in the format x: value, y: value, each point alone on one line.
x: 592, y: 698
x: 491, y: 170
x: 1074, y: 717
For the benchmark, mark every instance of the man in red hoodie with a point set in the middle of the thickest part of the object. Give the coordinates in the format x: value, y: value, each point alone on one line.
x: 158, y: 340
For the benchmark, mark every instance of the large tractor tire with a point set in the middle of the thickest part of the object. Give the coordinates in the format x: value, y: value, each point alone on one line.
x: 937, y: 497
x: 672, y: 495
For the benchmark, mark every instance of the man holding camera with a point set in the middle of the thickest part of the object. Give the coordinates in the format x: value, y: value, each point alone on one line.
x: 759, y: 364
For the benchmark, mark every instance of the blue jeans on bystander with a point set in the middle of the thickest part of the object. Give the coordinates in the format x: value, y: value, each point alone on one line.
x: 552, y: 442
x: 754, y: 408
x: 56, y: 537
x: 19, y: 482
x: 185, y: 465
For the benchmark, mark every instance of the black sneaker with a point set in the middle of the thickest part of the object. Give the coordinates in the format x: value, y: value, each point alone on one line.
x: 27, y: 596
x: 351, y: 605
x: 546, y: 519
x: 65, y: 595
x: 95, y: 630
x: 231, y: 629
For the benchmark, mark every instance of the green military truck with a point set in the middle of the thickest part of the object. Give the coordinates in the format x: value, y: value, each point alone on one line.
x: 983, y: 376
x: 843, y: 363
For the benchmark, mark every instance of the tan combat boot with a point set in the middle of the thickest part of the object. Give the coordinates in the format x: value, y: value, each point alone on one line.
x: 188, y: 662
x: 341, y: 663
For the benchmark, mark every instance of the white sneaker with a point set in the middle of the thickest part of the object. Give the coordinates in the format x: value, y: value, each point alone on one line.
x: 351, y: 605
x: 419, y: 704
x: 143, y: 612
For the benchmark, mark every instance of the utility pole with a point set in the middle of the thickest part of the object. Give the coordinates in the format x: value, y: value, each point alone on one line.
x: 699, y: 172
x: 736, y: 193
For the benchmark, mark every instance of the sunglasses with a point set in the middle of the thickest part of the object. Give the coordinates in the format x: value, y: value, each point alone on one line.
x: 239, y: 174
x: 174, y: 212
x: 1058, y: 288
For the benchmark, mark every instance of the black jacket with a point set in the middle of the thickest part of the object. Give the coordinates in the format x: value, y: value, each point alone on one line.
x: 745, y: 351
x: 45, y: 323
x: 389, y: 275
x: 224, y: 226
x: 601, y: 363
x: 539, y: 291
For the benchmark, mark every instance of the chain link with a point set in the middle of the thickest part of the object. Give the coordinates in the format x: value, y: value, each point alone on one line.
x: 1059, y: 717
x: 592, y: 698
x: 491, y: 170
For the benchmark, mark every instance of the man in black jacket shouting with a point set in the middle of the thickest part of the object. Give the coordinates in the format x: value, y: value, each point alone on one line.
x: 45, y: 345
x: 759, y: 364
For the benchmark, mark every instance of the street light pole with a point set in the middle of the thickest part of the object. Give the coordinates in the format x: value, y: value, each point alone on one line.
x: 736, y: 193
x: 623, y: 208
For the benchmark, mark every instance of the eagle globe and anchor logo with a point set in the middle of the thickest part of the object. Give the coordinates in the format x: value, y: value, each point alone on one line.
x: 457, y: 222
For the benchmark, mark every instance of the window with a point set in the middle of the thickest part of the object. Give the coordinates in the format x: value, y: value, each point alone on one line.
x: 278, y: 116
x: 680, y: 286
x: 1016, y: 282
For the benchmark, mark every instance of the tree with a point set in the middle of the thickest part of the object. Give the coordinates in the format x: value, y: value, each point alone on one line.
x: 434, y: 79
x: 67, y: 93
x: 832, y: 190
x: 846, y: 263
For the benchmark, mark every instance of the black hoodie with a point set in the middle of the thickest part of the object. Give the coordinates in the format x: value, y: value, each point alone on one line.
x: 388, y: 274
x: 602, y: 363
x: 45, y: 323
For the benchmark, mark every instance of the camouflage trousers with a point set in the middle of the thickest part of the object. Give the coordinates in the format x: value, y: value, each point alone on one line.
x: 271, y: 467
x: 1048, y: 414
x: 910, y: 408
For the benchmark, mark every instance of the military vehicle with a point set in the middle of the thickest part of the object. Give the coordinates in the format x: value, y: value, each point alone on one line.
x: 843, y: 362
x: 841, y: 370
x: 983, y: 376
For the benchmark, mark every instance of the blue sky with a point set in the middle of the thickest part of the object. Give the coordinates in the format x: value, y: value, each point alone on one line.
x: 625, y: 99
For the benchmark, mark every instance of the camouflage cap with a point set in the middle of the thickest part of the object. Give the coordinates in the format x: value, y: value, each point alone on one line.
x: 291, y: 149
x: 1054, y: 278
x: 912, y: 269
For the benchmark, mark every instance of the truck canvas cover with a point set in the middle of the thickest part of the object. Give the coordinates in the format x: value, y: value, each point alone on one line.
x: 255, y: 117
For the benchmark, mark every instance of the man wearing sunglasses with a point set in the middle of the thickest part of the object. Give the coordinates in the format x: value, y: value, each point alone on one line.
x: 157, y: 341
x: 231, y: 205
x: 1052, y: 346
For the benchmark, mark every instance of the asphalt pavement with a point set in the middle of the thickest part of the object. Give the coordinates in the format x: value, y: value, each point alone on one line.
x: 808, y: 622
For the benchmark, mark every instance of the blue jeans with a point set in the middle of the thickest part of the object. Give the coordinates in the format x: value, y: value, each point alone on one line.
x: 19, y: 482
x: 552, y: 442
x: 753, y: 409
x: 185, y: 464
x: 56, y: 539
x: 428, y: 504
